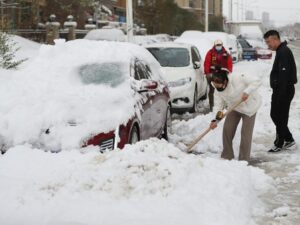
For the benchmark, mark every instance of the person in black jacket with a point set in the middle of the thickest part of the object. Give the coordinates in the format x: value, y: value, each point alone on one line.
x: 282, y: 79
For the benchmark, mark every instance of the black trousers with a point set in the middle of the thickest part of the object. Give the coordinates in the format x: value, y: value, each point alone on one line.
x: 280, y: 108
x: 211, y: 92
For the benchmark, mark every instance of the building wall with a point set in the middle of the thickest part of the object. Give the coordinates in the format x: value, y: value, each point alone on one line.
x: 198, y: 6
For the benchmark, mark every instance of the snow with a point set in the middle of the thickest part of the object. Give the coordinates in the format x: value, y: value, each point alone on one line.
x: 151, y: 182
x: 110, y: 34
x: 203, y: 45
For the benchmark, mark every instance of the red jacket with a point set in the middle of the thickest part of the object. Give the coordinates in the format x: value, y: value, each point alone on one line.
x: 213, y: 58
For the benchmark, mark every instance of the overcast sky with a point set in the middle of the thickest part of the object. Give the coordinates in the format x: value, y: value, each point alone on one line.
x: 282, y: 12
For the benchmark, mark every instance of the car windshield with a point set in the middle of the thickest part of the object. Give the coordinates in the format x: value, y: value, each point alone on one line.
x: 105, y: 73
x: 171, y: 57
x: 244, y: 43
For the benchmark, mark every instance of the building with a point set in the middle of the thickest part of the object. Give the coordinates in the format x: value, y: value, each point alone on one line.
x: 198, y: 6
x: 265, y: 19
x: 20, y: 14
x: 251, y: 29
x: 249, y: 15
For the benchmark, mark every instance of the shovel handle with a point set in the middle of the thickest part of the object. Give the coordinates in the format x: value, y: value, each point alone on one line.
x: 194, y: 142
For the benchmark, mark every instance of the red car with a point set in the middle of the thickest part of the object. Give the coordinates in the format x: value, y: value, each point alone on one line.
x: 263, y: 53
x: 85, y: 92
x: 152, y: 117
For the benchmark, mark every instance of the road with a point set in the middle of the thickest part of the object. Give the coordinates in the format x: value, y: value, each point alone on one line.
x: 283, y: 203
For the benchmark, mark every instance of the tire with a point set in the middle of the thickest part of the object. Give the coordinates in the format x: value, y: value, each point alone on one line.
x: 134, y: 136
x: 206, y: 94
x: 168, y: 125
x: 194, y: 108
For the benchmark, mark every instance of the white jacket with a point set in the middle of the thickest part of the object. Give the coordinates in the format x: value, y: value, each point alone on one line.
x: 237, y: 85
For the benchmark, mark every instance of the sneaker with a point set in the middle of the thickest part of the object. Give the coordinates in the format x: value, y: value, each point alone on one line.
x: 288, y: 144
x: 275, y: 149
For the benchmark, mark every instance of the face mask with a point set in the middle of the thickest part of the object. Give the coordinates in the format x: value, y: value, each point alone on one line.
x: 218, y: 48
x: 221, y: 89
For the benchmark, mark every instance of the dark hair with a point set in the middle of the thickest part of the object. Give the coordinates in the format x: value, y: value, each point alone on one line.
x: 271, y: 33
x: 220, y: 77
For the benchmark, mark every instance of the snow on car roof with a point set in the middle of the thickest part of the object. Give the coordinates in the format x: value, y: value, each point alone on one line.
x: 111, y: 34
x: 203, y: 45
x: 191, y: 34
x: 168, y: 45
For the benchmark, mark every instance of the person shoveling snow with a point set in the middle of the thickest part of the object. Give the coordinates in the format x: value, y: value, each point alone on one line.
x: 230, y: 90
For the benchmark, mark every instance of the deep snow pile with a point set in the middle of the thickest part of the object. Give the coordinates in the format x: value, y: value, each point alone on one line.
x: 151, y: 182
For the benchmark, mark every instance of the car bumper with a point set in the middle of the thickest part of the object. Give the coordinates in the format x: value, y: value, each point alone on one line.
x: 182, y: 97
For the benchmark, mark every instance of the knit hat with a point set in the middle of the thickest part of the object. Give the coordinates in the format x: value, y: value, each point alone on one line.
x: 220, y: 76
x: 218, y: 42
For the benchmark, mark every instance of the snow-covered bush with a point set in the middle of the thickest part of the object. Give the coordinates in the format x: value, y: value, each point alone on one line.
x: 7, y: 52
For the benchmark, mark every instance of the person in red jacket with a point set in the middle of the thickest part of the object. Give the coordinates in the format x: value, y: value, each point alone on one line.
x: 215, y: 59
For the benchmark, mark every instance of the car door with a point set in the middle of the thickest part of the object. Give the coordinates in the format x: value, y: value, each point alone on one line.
x: 201, y: 80
x: 144, y: 103
x: 160, y: 101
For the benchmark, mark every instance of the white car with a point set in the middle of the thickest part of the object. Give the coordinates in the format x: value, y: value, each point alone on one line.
x: 181, y: 65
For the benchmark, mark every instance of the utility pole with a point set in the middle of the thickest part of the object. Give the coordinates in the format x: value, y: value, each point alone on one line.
x: 230, y: 10
x: 129, y: 20
x: 206, y: 15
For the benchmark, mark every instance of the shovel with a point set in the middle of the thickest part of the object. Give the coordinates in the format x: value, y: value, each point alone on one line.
x: 196, y: 140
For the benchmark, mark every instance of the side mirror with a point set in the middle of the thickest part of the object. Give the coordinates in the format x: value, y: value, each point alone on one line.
x: 197, y: 65
x: 147, y: 85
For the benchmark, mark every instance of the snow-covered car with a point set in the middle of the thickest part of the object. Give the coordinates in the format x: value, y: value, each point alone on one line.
x: 203, y: 44
x: 192, y: 34
x: 83, y: 93
x: 181, y: 64
x: 108, y: 34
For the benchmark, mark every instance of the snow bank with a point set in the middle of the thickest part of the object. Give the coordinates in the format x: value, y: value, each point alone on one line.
x: 149, y: 183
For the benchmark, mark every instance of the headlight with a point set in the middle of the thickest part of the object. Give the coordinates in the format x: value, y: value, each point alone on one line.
x: 180, y: 82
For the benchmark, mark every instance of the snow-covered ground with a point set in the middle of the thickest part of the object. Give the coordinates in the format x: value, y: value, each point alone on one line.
x: 155, y: 182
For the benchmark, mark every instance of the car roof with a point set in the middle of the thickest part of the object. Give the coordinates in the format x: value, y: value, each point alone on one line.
x: 168, y: 45
x: 112, y: 34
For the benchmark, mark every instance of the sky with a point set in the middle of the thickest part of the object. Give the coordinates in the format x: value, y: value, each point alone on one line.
x: 282, y: 12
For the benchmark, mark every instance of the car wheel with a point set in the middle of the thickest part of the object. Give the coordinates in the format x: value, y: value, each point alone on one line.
x: 206, y: 94
x: 194, y: 108
x: 168, y: 125
x: 134, y: 135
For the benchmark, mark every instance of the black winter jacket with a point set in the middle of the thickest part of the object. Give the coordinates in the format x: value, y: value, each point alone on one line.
x: 284, y: 71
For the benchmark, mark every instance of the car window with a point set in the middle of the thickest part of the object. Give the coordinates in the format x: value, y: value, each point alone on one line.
x: 171, y: 57
x: 195, y: 55
x: 244, y: 43
x: 142, y: 71
x: 104, y: 73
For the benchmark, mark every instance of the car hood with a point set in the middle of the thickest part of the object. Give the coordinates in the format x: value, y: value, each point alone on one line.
x: 176, y: 73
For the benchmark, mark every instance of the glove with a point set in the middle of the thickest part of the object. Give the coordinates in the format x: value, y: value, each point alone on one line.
x: 219, y: 115
x: 218, y: 67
